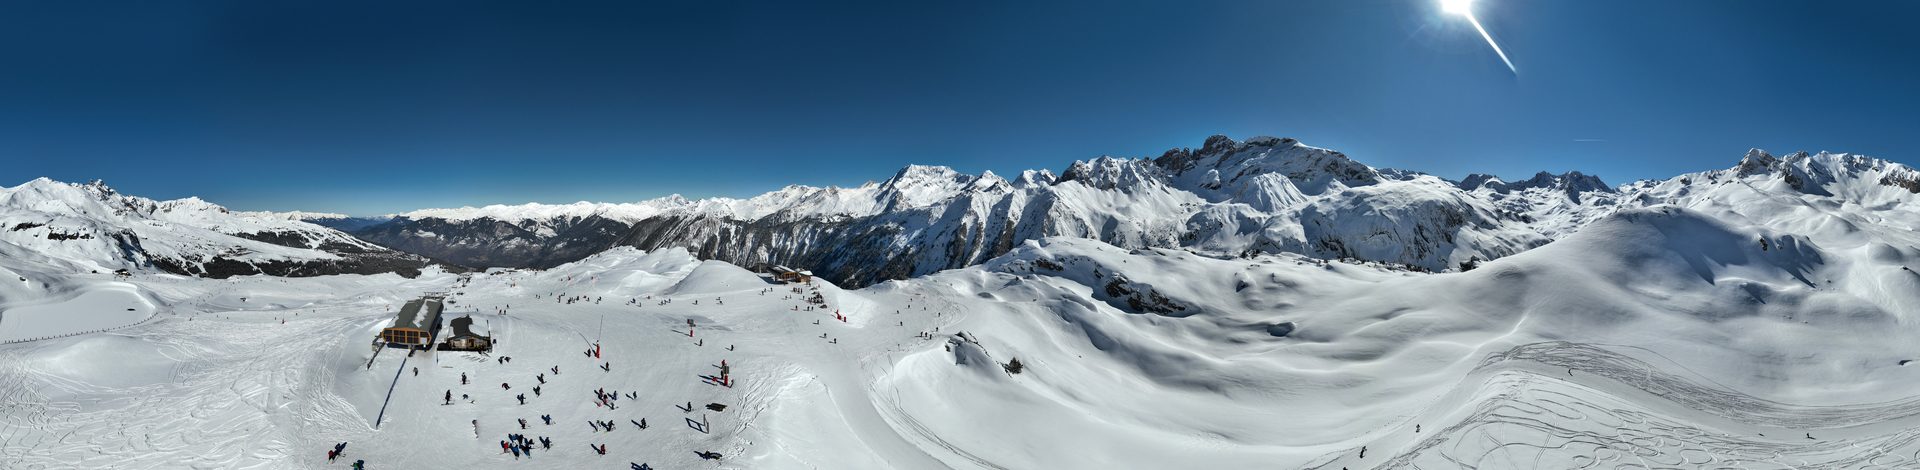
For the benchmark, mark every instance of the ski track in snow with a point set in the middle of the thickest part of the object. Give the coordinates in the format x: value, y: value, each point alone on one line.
x: 1526, y: 417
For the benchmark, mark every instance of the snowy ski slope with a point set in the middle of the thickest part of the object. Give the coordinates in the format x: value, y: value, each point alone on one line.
x: 1660, y: 337
x: 1759, y: 316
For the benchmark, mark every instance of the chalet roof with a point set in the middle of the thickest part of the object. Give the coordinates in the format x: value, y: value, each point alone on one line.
x: 463, y: 326
x: 418, y: 313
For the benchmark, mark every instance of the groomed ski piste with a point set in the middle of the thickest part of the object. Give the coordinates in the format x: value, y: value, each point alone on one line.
x: 1667, y: 337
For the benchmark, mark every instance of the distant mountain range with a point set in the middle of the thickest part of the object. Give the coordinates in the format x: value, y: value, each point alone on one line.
x: 92, y: 227
x: 1225, y: 198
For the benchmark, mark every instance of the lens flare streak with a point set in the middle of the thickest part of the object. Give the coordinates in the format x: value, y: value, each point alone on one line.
x: 1496, y: 46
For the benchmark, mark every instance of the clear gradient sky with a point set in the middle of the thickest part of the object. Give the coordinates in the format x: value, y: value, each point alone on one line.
x: 374, y: 107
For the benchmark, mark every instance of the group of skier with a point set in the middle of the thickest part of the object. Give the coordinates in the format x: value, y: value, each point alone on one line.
x: 520, y: 445
x: 340, y: 450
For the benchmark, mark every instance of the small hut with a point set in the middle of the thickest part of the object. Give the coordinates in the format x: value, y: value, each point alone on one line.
x: 464, y: 339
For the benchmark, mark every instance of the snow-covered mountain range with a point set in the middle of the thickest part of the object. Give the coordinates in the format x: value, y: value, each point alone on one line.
x: 92, y: 226
x: 1263, y: 195
x: 1186, y: 310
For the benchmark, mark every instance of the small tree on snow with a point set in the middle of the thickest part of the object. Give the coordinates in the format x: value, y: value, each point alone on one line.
x: 1014, y: 366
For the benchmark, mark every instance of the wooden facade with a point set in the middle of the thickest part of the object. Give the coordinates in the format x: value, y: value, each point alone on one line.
x: 415, y: 325
x: 464, y: 339
x: 790, y: 275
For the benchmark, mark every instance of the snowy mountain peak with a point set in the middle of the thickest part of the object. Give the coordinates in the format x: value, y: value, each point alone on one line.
x: 1572, y: 184
x: 1824, y: 173
x: 1225, y: 167
x: 1031, y: 178
x: 1481, y: 180
x: 912, y: 174
x: 1112, y: 173
x: 537, y: 211
x: 47, y: 196
x: 923, y: 185
x: 1756, y: 161
x: 93, y: 225
x: 295, y: 215
x: 191, y: 204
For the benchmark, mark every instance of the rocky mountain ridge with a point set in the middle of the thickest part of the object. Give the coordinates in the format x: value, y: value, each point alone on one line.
x: 1227, y: 197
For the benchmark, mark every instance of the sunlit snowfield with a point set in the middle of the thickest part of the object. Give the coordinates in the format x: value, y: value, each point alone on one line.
x: 1654, y: 338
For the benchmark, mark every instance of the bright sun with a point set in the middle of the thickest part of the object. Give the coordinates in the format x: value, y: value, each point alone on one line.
x: 1464, y: 8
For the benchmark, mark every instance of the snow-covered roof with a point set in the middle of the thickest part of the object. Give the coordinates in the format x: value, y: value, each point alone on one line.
x: 463, y: 326
x: 418, y: 314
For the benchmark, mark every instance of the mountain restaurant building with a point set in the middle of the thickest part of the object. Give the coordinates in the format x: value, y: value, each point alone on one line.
x: 416, y: 323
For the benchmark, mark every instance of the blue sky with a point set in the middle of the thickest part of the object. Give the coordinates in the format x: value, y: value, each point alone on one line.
x: 372, y: 107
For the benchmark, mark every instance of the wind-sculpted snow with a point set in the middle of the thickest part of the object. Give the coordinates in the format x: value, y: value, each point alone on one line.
x: 1597, y: 360
x: 1611, y: 410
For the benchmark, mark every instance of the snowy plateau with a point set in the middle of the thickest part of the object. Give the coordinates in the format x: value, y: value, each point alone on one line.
x: 1246, y: 304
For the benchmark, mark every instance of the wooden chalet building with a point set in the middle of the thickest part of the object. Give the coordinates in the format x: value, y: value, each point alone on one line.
x: 416, y: 324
